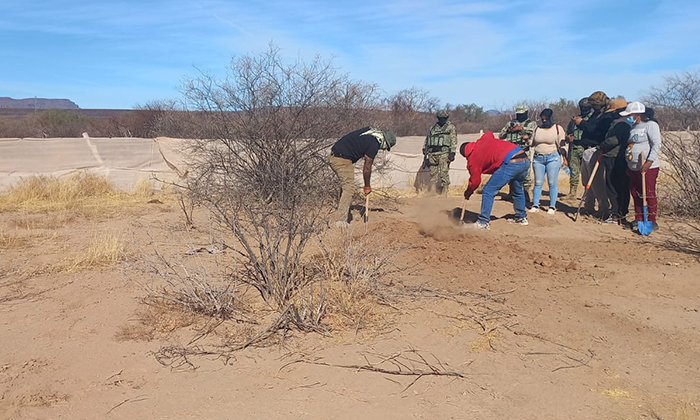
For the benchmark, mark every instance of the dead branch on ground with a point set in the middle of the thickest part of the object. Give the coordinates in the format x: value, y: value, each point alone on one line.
x: 410, y: 362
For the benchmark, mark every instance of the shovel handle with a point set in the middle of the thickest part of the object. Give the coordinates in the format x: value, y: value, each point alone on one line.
x: 464, y: 208
x: 595, y: 169
x: 367, y: 208
x: 644, y: 182
x: 588, y: 186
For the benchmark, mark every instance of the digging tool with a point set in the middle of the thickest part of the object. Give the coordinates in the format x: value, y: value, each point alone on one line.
x: 366, y: 209
x: 646, y: 226
x: 464, y: 207
x: 588, y: 186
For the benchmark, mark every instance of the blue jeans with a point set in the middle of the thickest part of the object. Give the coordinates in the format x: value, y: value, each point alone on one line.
x: 513, y: 173
x: 550, y: 165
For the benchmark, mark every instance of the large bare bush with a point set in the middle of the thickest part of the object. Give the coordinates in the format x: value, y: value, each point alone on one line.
x: 412, y: 111
x: 262, y: 169
x: 677, y: 102
x: 677, y: 106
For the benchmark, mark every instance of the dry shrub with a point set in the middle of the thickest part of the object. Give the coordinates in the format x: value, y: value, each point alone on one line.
x: 201, y: 284
x: 143, y: 188
x: 158, y: 318
x: 681, y: 194
x: 262, y: 168
x: 195, y: 290
x: 349, y: 269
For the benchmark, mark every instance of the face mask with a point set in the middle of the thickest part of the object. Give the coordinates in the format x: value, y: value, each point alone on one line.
x: 631, y: 120
x: 442, y: 121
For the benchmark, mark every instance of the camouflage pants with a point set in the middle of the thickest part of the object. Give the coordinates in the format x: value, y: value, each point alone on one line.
x: 575, y: 157
x: 527, y: 184
x: 439, y: 170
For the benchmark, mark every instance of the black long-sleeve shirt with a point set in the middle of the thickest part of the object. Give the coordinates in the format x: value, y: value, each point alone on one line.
x: 594, y: 129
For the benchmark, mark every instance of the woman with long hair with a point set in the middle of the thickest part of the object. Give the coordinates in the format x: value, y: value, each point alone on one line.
x: 547, y: 141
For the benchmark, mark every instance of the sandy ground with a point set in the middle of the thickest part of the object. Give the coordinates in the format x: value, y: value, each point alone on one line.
x: 576, y: 321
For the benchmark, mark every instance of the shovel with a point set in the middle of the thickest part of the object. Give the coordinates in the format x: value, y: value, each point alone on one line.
x: 646, y: 226
x: 464, y: 207
x: 588, y: 186
x: 366, y: 210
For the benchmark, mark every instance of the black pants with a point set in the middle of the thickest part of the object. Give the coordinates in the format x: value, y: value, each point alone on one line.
x: 621, y: 181
x: 607, y: 164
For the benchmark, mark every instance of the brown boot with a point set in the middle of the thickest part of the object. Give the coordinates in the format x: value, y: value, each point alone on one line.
x: 573, y: 190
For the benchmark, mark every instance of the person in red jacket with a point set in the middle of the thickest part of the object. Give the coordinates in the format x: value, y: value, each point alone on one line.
x: 507, y: 163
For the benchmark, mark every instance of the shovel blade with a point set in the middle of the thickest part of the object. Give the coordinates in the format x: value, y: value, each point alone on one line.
x: 646, y: 226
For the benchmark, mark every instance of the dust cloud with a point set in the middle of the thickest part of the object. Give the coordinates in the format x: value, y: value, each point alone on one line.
x: 437, y: 219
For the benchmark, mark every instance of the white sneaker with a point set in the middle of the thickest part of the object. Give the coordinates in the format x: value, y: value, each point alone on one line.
x: 534, y: 209
x: 341, y: 224
x: 551, y: 210
x: 481, y: 225
x: 519, y: 221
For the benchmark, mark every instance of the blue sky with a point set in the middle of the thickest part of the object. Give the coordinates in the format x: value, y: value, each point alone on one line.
x: 123, y: 53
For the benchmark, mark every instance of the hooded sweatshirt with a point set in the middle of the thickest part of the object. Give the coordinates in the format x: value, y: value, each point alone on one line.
x: 485, y: 156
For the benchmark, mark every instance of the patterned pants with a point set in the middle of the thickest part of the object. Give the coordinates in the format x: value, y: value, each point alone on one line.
x: 575, y: 157
x: 439, y: 170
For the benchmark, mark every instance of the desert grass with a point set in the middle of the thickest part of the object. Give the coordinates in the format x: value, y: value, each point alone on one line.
x: 12, y: 241
x: 105, y: 250
x: 50, y: 221
x: 81, y: 194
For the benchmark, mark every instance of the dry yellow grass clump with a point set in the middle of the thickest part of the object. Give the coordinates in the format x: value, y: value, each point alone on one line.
x: 84, y: 194
x: 104, y: 251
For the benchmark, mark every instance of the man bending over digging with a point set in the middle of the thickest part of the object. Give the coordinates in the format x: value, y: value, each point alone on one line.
x: 362, y: 143
x: 507, y: 163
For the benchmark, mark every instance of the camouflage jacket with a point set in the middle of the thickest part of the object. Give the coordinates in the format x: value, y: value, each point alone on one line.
x: 517, y: 136
x: 572, y: 128
x: 441, y: 137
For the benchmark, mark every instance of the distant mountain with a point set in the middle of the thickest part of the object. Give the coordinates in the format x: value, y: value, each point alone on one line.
x: 37, y: 103
x: 492, y: 112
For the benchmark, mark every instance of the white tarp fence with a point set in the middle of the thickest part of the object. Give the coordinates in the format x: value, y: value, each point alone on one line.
x: 126, y: 161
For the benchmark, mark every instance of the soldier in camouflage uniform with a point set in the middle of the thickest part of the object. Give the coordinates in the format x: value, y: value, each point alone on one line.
x: 519, y: 131
x: 439, y: 150
x: 575, y: 148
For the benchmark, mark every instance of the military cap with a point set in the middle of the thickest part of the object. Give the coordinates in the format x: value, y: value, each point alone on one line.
x: 389, y: 139
x: 443, y: 114
x: 521, y: 109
